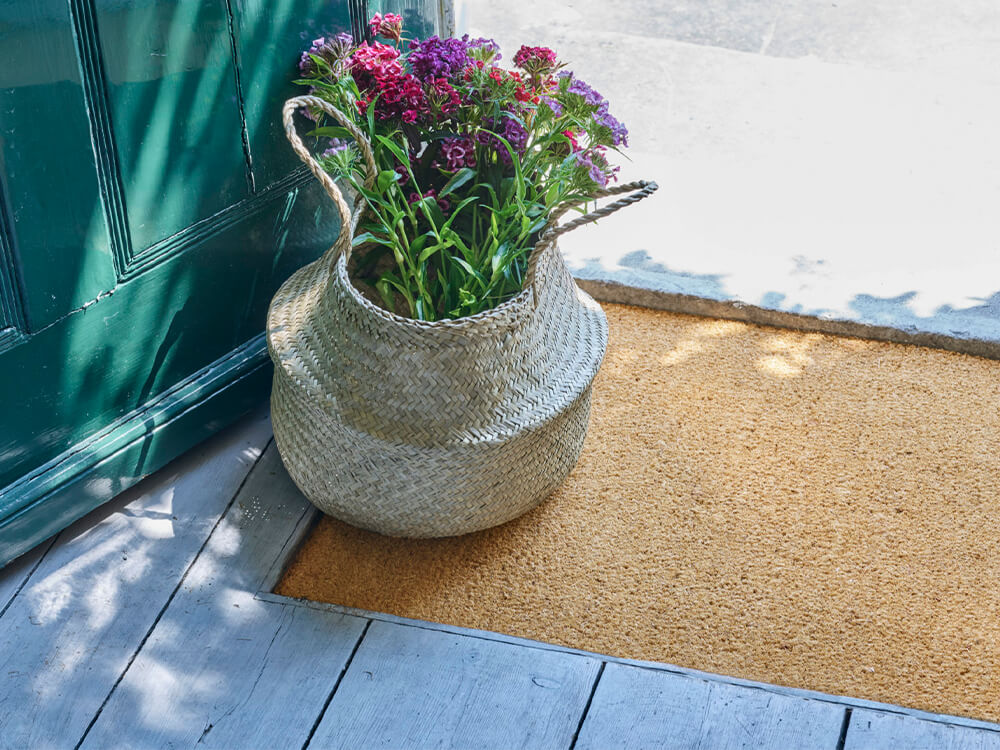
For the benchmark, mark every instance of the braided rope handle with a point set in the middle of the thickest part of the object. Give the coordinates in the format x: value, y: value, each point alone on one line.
x: 348, y: 223
x: 639, y: 189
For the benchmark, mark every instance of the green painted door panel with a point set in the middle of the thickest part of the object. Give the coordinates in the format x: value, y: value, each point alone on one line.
x: 175, y: 112
x: 49, y: 177
x: 101, y: 363
x: 149, y: 209
x: 270, y: 37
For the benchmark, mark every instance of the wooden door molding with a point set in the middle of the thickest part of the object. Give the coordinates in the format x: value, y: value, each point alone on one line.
x: 95, y: 94
x: 11, y: 306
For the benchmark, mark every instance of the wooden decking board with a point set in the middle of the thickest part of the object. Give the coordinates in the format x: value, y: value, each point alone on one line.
x: 146, y: 659
x: 71, y: 631
x: 221, y: 669
x: 414, y: 688
x: 642, y: 708
x: 843, y: 700
x: 878, y: 730
x: 17, y: 573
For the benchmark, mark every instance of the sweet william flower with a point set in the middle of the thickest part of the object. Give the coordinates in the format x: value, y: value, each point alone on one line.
x: 442, y: 96
x: 536, y: 61
x: 334, y: 51
x: 390, y: 26
x: 438, y: 58
x: 458, y: 153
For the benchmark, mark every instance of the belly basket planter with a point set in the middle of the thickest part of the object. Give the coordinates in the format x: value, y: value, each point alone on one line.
x: 424, y: 428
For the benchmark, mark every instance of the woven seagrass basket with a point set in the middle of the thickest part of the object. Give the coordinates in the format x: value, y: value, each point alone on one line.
x: 429, y: 429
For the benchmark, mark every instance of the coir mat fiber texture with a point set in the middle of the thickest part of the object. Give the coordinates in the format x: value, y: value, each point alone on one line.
x: 795, y: 508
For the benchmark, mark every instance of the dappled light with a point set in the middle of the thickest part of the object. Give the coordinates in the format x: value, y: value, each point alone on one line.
x: 94, y: 597
x: 789, y: 354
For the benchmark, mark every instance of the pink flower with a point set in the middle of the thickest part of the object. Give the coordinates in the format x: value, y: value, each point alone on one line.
x: 443, y: 96
x: 390, y: 26
x: 537, y: 61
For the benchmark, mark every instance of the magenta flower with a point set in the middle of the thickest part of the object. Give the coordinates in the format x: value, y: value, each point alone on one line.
x: 442, y: 96
x: 537, y: 61
x: 458, y: 152
x: 390, y: 26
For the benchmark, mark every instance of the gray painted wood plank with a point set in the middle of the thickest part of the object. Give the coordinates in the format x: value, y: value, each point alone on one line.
x: 643, y: 708
x: 844, y: 700
x: 17, y: 571
x: 877, y: 730
x: 222, y: 669
x: 70, y: 633
x: 408, y: 687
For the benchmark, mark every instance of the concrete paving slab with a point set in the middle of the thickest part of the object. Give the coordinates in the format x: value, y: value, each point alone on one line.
x: 846, y: 194
x: 929, y: 36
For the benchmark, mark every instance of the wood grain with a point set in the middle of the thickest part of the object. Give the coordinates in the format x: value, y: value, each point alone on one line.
x: 413, y: 688
x: 222, y: 669
x: 16, y: 573
x: 876, y: 730
x: 71, y: 631
x: 643, y: 708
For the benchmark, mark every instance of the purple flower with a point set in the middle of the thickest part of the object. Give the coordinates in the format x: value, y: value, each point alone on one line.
x: 336, y: 145
x: 598, y: 169
x: 619, y: 133
x: 437, y: 58
x: 483, y: 49
x: 582, y: 88
x: 602, y: 117
x: 555, y: 106
x: 333, y: 50
x: 458, y: 152
x: 510, y: 130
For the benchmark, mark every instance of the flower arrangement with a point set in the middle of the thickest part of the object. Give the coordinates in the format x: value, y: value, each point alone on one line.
x: 473, y: 159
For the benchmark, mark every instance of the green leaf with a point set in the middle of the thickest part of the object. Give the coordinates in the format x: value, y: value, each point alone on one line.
x: 421, y: 310
x: 455, y: 239
x: 395, y: 149
x: 331, y: 131
x: 386, y: 178
x: 361, y: 239
x: 460, y: 177
x: 471, y: 271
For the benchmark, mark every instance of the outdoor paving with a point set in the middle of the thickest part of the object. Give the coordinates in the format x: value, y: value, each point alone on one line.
x: 150, y: 624
x: 834, y: 160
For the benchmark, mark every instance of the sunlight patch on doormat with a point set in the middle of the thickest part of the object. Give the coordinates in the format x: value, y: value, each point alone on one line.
x: 802, y: 509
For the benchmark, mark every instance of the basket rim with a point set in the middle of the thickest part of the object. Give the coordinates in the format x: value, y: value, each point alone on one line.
x: 469, y: 321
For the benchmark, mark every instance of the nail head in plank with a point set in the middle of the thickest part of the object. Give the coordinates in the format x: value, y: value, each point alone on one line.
x: 413, y: 688
x: 878, y: 730
x: 642, y: 708
x: 71, y: 631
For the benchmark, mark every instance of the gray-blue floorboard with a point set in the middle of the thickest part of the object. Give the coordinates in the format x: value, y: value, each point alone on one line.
x: 150, y: 624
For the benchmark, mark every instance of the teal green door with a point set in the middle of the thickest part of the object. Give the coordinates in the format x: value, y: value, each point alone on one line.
x: 149, y: 208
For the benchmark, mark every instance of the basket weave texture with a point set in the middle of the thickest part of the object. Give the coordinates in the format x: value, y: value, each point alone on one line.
x: 429, y: 429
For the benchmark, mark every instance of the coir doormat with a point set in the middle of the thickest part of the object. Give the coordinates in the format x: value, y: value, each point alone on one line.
x: 794, y: 508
